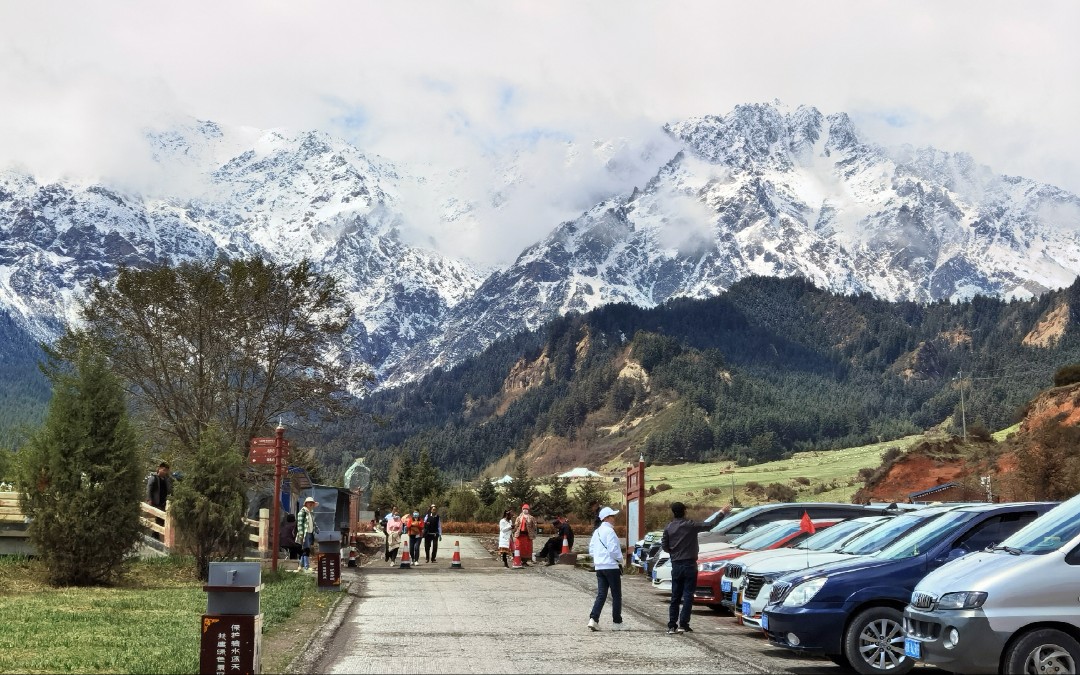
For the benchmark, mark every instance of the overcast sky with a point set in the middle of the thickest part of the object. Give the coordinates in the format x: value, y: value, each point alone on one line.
x: 459, y: 81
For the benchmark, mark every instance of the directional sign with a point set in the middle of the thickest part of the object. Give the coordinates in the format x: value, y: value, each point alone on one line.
x: 262, y: 459
x: 255, y: 442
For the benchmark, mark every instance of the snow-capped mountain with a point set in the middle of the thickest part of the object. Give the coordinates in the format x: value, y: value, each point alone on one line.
x: 763, y: 190
x: 243, y: 192
x: 774, y: 192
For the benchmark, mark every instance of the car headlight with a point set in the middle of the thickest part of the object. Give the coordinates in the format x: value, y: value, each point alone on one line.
x: 962, y: 600
x: 711, y: 566
x: 804, y: 592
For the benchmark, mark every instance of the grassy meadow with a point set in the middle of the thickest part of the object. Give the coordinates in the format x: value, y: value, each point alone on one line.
x: 150, y: 624
x: 823, y: 475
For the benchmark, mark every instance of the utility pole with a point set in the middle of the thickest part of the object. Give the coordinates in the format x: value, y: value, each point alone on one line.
x: 963, y: 414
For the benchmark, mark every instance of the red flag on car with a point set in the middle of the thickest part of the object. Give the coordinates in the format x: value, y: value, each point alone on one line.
x: 806, y: 525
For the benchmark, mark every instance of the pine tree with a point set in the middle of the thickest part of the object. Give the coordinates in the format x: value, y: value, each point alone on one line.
x: 557, y: 502
x: 209, y: 504
x: 427, y: 482
x: 589, y: 491
x: 79, y: 476
x: 522, y: 490
x: 486, y: 492
x: 402, y: 483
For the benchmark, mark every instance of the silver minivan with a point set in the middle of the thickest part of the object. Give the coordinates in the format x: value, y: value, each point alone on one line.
x: 1013, y: 608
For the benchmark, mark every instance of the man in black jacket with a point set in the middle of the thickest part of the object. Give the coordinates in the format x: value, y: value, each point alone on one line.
x: 159, y: 487
x: 553, y: 546
x: 680, y: 541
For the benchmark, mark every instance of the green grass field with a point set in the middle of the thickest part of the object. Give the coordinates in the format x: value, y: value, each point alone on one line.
x: 832, y: 475
x: 151, y: 625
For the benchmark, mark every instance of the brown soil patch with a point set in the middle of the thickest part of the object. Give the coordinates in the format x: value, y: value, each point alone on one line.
x: 912, y: 474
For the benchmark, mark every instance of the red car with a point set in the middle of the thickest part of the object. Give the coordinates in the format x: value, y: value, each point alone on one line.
x: 711, y: 567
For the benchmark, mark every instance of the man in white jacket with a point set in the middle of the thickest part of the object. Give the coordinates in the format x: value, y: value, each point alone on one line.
x: 607, y: 557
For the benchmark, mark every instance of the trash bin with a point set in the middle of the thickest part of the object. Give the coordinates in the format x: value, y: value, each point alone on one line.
x: 328, y: 561
x: 232, y: 626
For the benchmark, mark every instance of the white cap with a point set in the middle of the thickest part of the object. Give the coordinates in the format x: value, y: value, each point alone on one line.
x: 607, y: 511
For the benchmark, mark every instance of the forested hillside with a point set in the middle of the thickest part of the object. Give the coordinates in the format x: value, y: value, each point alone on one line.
x: 24, y: 391
x: 770, y: 367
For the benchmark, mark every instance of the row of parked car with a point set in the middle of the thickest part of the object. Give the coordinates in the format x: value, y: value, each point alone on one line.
x: 970, y: 588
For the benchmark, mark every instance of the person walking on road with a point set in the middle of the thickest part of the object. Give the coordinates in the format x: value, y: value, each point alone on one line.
x: 506, y: 533
x: 524, y: 533
x: 607, y: 556
x: 680, y: 541
x: 416, y: 533
x: 432, y: 534
x: 393, y: 538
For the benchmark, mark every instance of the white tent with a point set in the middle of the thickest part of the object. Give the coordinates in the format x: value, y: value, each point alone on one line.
x: 504, y: 480
x: 579, y: 472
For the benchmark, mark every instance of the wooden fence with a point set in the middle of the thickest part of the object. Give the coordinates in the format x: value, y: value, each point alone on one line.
x: 159, y: 533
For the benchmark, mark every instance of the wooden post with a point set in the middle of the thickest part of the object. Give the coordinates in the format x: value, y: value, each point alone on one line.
x: 169, y: 535
x: 279, y: 466
x: 264, y: 532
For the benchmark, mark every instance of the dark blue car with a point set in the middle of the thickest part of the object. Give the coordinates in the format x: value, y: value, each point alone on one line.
x: 853, y: 611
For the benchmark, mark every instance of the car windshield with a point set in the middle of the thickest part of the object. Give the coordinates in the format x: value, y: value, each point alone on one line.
x: 882, y: 535
x: 922, y: 539
x: 755, y: 533
x: 827, y: 539
x: 1049, y: 532
x: 742, y: 516
x: 766, y: 537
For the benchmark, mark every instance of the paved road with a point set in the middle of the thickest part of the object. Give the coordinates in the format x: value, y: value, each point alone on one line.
x: 484, y: 618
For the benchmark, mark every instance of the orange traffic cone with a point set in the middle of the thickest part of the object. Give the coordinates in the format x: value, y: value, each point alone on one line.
x: 565, y: 546
x: 455, y: 561
x: 406, y: 561
x: 352, y: 557
x: 517, y: 557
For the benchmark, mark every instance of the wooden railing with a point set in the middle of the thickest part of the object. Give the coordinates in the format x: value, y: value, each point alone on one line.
x: 13, y: 537
x: 157, y: 526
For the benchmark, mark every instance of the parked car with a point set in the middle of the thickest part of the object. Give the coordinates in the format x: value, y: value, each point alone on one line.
x: 756, y: 516
x: 711, y: 568
x: 852, y: 611
x: 733, y: 581
x: 644, y: 547
x: 1010, y: 609
x: 661, y: 574
x: 867, y: 542
x: 650, y: 558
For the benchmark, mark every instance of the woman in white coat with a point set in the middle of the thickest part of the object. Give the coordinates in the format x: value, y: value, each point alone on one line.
x: 506, y: 529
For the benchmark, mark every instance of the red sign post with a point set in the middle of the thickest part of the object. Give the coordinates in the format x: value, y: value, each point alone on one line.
x: 272, y: 451
x: 635, y: 504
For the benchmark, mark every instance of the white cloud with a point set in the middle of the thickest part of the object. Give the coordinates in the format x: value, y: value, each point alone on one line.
x: 453, y: 84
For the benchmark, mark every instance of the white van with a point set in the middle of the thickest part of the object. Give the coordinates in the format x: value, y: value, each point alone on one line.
x: 1013, y: 608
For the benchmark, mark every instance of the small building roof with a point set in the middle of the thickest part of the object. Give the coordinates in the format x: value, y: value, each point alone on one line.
x: 578, y: 472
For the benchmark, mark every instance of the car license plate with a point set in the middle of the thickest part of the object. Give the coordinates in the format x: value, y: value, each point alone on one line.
x: 746, y: 609
x: 764, y: 622
x: 735, y: 597
x: 725, y: 586
x: 912, y: 648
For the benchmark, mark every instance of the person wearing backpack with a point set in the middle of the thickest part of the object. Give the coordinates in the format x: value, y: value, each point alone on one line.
x: 305, y: 532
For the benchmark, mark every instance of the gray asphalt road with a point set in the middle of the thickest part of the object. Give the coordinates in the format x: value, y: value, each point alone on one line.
x: 484, y: 618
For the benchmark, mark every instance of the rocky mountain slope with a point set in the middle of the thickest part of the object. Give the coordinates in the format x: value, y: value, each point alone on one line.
x: 764, y: 190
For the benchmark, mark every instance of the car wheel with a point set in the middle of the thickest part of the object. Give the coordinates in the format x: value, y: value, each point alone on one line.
x: 874, y: 642
x: 1043, y: 651
x: 717, y: 608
